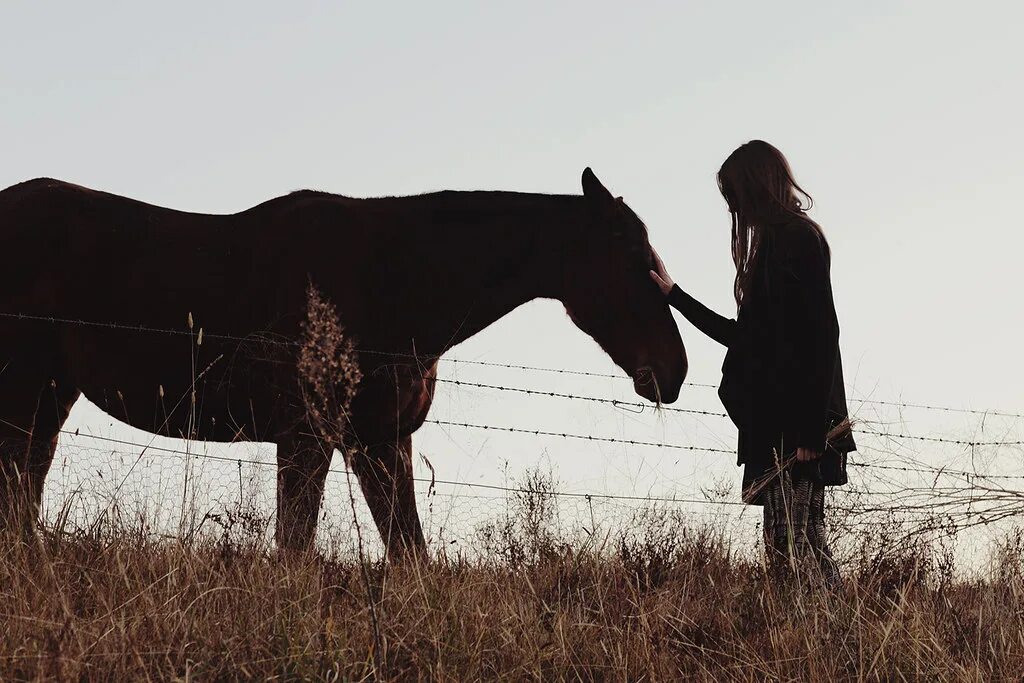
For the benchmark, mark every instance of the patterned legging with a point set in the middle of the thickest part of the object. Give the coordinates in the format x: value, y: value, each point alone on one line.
x: 794, y: 530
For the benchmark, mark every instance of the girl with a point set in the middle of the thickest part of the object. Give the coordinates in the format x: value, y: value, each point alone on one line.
x: 782, y: 380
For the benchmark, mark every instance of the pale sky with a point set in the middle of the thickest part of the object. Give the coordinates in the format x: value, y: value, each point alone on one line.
x: 903, y: 120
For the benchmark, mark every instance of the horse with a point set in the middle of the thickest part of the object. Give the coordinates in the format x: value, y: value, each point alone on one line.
x: 105, y: 296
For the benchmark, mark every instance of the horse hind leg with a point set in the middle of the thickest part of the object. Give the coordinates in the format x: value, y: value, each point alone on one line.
x: 15, y: 437
x: 33, y: 410
x: 52, y: 410
x: 386, y: 477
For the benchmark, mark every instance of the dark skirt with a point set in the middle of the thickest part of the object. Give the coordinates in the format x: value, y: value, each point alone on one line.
x: 760, y: 457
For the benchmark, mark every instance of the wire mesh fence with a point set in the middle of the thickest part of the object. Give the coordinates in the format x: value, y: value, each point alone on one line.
x: 181, y: 489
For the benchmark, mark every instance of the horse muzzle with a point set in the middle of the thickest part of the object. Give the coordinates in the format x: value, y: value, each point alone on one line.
x: 656, y: 387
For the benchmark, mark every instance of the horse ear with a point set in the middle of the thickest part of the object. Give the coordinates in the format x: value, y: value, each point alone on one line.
x: 593, y: 188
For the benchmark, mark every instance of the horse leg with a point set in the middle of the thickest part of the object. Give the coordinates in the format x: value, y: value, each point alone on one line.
x: 15, y: 436
x: 52, y: 409
x: 385, y: 474
x: 302, y: 465
x: 21, y: 387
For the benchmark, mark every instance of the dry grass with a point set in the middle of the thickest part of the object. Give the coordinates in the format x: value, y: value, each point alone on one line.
x: 662, y: 601
x: 667, y: 604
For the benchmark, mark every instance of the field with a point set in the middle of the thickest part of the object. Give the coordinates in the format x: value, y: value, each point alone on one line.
x: 665, y: 602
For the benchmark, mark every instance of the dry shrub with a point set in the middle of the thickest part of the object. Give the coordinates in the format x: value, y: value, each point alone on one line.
x: 891, y: 561
x: 328, y: 369
x: 528, y: 529
x: 662, y: 541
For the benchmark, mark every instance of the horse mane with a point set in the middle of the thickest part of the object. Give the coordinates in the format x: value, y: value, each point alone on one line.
x: 468, y: 197
x: 456, y: 206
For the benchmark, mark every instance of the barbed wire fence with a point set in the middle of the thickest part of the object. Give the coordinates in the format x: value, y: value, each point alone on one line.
x: 215, y: 489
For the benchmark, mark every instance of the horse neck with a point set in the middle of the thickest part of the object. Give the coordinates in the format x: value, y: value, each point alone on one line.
x: 484, y: 254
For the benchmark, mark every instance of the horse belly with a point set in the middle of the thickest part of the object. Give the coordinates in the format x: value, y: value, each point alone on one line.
x: 204, y: 392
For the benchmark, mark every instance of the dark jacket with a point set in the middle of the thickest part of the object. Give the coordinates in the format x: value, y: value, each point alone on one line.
x: 782, y: 379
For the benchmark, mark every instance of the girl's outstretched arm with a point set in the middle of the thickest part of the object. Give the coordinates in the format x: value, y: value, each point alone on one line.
x: 716, y: 326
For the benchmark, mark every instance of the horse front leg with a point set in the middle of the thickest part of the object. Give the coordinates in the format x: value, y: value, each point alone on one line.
x: 386, y: 477
x: 302, y: 466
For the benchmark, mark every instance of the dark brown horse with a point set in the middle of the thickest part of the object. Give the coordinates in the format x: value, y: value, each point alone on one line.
x: 411, y: 277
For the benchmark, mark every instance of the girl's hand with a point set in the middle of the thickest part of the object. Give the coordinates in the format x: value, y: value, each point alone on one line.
x: 660, y: 274
x: 807, y: 455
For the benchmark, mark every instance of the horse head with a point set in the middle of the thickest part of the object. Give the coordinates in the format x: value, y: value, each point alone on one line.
x: 610, y: 296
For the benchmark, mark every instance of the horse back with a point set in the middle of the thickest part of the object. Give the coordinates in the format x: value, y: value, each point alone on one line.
x: 71, y: 246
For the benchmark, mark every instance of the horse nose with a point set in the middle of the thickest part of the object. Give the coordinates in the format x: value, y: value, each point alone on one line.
x: 655, y: 386
x: 644, y: 375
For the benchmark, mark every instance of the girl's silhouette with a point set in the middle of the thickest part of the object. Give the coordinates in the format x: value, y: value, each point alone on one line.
x: 782, y: 380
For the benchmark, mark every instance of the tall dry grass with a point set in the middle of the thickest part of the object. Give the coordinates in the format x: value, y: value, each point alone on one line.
x: 665, y: 602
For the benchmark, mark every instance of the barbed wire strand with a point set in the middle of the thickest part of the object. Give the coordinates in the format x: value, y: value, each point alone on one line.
x: 434, y: 480
x: 578, y: 397
x: 265, y: 339
x: 581, y: 437
x: 937, y: 471
x: 618, y: 403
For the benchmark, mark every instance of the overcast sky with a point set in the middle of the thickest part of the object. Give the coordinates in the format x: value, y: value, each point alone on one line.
x: 903, y: 120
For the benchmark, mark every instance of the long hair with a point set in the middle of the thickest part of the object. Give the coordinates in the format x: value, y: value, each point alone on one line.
x: 757, y: 184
